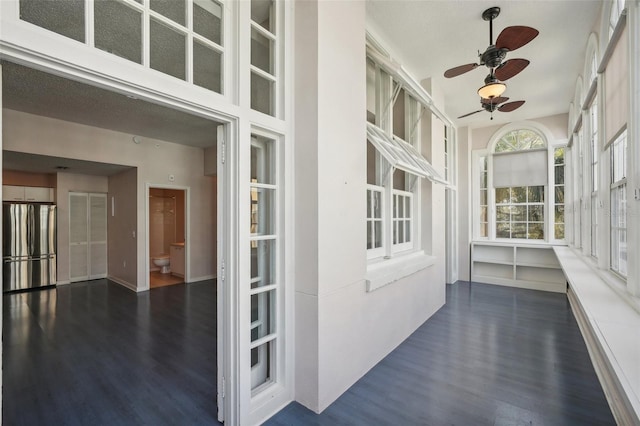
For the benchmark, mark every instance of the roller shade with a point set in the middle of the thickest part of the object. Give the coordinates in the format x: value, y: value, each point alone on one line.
x: 616, y: 85
x: 522, y: 168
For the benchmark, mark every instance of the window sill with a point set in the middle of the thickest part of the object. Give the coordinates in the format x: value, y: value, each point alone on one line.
x: 387, y: 271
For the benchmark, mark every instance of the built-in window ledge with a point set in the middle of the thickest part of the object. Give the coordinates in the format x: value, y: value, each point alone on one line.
x: 520, y: 243
x: 609, y: 324
x: 387, y: 271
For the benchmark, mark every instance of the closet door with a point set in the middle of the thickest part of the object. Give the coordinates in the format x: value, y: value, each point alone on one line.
x: 78, y: 236
x: 87, y: 236
x: 97, y: 236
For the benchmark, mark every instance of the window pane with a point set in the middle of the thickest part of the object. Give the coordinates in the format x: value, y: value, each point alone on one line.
x: 484, y: 229
x: 168, y: 50
x: 262, y: 308
x: 261, y: 52
x: 536, y: 213
x: 263, y: 161
x: 503, y: 195
x: 483, y: 180
x: 519, y: 194
x: 483, y: 214
x: 378, y: 234
x: 400, y: 232
x: 207, y: 67
x: 172, y: 9
x: 261, y: 94
x: 519, y: 230
x: 262, y: 211
x: 118, y: 29
x: 559, y: 229
x: 261, y: 13
x: 207, y: 20
x: 261, y: 364
x: 377, y: 204
x: 519, y: 213
x: 558, y: 156
x: 559, y: 214
x: 536, y: 231
x: 559, y: 178
x: 263, y: 270
x: 369, y: 235
x: 559, y: 195
x: 65, y: 17
x: 503, y: 230
x: 536, y: 194
x: 483, y: 197
x: 407, y: 230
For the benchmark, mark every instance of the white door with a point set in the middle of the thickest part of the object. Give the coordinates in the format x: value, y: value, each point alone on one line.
x: 87, y: 236
x: 78, y: 236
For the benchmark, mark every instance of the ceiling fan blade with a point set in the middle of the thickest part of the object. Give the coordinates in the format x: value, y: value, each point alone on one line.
x: 494, y: 101
x: 512, y: 38
x: 510, y: 68
x: 471, y: 113
x: 454, y: 72
x: 510, y: 106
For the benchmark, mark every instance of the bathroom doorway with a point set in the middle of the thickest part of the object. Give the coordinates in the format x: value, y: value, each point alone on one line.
x: 167, y: 230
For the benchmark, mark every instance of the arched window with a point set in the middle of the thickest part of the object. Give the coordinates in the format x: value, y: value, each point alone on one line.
x: 519, y: 177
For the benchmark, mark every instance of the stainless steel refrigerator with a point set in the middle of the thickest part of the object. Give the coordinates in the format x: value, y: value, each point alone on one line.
x: 28, y: 246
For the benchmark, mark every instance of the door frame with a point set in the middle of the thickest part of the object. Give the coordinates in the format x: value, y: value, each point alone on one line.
x: 187, y: 226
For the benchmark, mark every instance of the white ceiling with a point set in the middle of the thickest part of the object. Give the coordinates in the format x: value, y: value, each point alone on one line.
x: 430, y: 36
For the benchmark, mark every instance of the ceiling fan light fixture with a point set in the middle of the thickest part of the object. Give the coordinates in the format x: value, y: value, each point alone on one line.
x: 492, y: 90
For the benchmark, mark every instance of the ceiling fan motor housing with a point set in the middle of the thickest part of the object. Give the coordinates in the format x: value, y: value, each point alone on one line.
x: 492, y: 57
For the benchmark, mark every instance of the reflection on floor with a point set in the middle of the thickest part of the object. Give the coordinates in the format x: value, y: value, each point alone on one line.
x: 96, y: 353
x: 156, y: 279
x: 491, y: 356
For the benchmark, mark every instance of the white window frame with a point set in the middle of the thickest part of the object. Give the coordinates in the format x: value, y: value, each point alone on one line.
x: 276, y: 58
x: 555, y: 204
x: 619, y: 186
x: 374, y: 252
x: 593, y: 173
x: 401, y: 217
x: 549, y: 197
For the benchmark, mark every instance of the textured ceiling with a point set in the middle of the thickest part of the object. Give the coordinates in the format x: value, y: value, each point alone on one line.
x: 28, y: 90
x: 46, y: 164
x: 429, y: 37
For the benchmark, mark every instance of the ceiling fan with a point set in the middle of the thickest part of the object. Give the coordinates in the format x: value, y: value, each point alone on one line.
x: 510, y: 39
x: 496, y: 104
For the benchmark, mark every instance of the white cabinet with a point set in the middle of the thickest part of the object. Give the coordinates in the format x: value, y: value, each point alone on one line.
x: 27, y: 194
x: 87, y: 236
x: 176, y: 253
x: 532, y: 266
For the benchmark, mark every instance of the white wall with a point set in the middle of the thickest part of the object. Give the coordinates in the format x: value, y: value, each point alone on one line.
x: 154, y: 159
x: 342, y: 331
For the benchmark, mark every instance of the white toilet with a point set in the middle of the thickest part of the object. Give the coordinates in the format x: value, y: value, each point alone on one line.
x: 162, y: 260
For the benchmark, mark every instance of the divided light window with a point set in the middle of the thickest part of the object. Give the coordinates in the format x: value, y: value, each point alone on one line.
x: 558, y: 177
x: 520, y: 212
x: 263, y: 56
x: 265, y: 280
x: 484, y: 199
x: 593, y: 123
x: 190, y: 50
x: 619, y: 205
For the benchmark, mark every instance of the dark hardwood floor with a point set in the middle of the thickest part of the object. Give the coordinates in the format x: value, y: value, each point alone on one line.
x: 491, y: 356
x: 98, y: 354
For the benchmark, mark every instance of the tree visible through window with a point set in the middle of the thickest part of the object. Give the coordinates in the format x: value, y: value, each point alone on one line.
x: 519, y: 140
x: 520, y: 212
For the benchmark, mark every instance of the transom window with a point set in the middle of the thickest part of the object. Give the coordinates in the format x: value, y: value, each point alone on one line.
x: 188, y: 49
x: 520, y: 140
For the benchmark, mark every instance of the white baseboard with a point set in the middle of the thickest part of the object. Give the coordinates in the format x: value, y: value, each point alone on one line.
x: 124, y: 283
x: 65, y: 282
x: 621, y: 408
x: 202, y: 278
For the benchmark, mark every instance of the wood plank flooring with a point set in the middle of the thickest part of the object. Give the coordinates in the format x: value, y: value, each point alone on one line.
x: 96, y: 353
x: 491, y: 356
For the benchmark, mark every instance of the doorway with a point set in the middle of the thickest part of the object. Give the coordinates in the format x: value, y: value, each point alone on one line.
x: 167, y: 230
